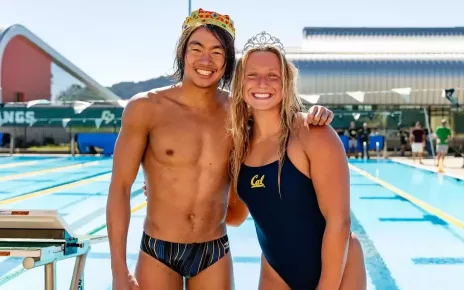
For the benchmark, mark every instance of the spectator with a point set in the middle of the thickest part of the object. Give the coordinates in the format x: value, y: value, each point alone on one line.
x: 404, y: 134
x: 417, y: 142
x: 364, y: 133
x: 353, y: 139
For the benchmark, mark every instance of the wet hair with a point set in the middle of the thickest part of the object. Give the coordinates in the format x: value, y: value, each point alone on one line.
x: 227, y: 42
x: 240, y: 121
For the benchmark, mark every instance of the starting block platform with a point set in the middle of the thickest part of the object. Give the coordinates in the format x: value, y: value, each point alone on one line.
x: 42, y: 238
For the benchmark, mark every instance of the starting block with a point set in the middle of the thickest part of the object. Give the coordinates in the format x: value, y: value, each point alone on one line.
x: 43, y: 238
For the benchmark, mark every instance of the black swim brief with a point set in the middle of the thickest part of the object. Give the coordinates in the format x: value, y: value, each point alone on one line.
x: 186, y: 259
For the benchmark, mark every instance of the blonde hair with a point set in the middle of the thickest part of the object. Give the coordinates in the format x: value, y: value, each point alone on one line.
x: 240, y: 113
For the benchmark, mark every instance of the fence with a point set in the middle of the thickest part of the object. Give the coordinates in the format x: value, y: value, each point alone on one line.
x: 54, y: 125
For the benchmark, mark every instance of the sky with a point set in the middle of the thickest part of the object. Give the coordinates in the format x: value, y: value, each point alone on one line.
x: 122, y: 40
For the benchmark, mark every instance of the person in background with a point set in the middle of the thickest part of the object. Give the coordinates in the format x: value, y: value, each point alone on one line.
x: 403, y: 140
x: 364, y: 133
x: 428, y: 138
x: 417, y: 142
x: 443, y: 135
x: 352, y: 139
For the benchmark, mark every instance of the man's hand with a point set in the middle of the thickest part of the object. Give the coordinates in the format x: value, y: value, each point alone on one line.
x: 125, y: 283
x: 319, y: 115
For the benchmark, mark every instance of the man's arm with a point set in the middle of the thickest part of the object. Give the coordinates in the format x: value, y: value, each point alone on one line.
x: 237, y: 211
x: 327, y: 158
x: 450, y: 136
x: 128, y: 153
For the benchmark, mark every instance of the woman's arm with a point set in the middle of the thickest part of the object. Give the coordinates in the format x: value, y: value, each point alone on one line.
x: 330, y: 176
x: 237, y: 211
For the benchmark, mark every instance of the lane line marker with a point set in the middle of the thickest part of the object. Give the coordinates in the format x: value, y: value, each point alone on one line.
x: 54, y: 189
x: 425, y: 206
x: 33, y: 162
x: 18, y: 164
x: 49, y: 170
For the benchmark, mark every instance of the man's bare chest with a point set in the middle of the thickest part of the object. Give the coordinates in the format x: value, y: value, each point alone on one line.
x: 184, y: 141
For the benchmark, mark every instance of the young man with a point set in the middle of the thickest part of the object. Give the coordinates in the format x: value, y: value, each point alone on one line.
x: 364, y: 133
x: 403, y: 140
x: 443, y: 134
x: 353, y: 139
x: 417, y: 142
x: 180, y: 136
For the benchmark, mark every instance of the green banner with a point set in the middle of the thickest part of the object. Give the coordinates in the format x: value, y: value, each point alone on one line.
x: 95, y: 117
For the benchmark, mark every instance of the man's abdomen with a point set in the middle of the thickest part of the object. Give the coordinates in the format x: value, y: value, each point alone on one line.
x: 173, y: 223
x: 187, y: 208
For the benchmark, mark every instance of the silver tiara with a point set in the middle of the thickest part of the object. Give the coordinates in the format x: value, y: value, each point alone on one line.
x: 263, y: 39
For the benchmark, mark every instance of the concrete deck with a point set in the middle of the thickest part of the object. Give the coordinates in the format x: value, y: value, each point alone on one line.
x: 453, y: 165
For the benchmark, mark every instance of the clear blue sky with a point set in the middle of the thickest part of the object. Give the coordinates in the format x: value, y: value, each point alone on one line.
x: 122, y: 40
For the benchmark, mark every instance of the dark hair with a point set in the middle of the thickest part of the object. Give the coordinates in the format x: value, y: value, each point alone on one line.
x: 227, y: 42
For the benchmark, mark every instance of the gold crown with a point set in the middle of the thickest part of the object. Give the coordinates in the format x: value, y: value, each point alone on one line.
x: 201, y: 16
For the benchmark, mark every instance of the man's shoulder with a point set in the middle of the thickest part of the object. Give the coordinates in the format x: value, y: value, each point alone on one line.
x: 139, y: 100
x: 144, y: 103
x: 442, y: 129
x: 164, y: 90
x: 152, y: 96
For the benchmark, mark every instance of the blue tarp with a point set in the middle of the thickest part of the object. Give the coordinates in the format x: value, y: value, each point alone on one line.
x: 105, y: 141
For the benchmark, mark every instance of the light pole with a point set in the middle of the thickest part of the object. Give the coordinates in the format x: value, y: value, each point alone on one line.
x: 190, y: 7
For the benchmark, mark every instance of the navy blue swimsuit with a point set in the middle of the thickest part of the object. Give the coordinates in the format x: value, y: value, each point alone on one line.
x: 290, y: 226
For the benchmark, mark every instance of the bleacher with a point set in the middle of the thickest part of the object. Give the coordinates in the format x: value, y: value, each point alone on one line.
x: 372, y: 144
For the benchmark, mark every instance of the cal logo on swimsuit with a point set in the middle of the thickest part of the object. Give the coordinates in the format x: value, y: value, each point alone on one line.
x: 257, y: 182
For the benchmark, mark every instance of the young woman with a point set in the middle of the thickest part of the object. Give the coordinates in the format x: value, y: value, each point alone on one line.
x: 293, y: 179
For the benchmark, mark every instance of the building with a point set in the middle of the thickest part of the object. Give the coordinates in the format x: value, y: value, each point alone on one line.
x: 30, y: 70
x: 333, y: 61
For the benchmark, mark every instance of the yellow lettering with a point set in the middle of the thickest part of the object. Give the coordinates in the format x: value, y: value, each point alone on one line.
x: 255, y: 182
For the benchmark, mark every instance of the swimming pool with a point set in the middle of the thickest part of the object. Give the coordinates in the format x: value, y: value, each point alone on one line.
x: 405, y: 246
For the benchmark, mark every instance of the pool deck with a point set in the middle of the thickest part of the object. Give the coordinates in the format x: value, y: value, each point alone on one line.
x: 453, y: 165
x: 393, y: 207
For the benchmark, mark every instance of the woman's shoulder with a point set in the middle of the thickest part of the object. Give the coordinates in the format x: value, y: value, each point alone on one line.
x: 318, y: 135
